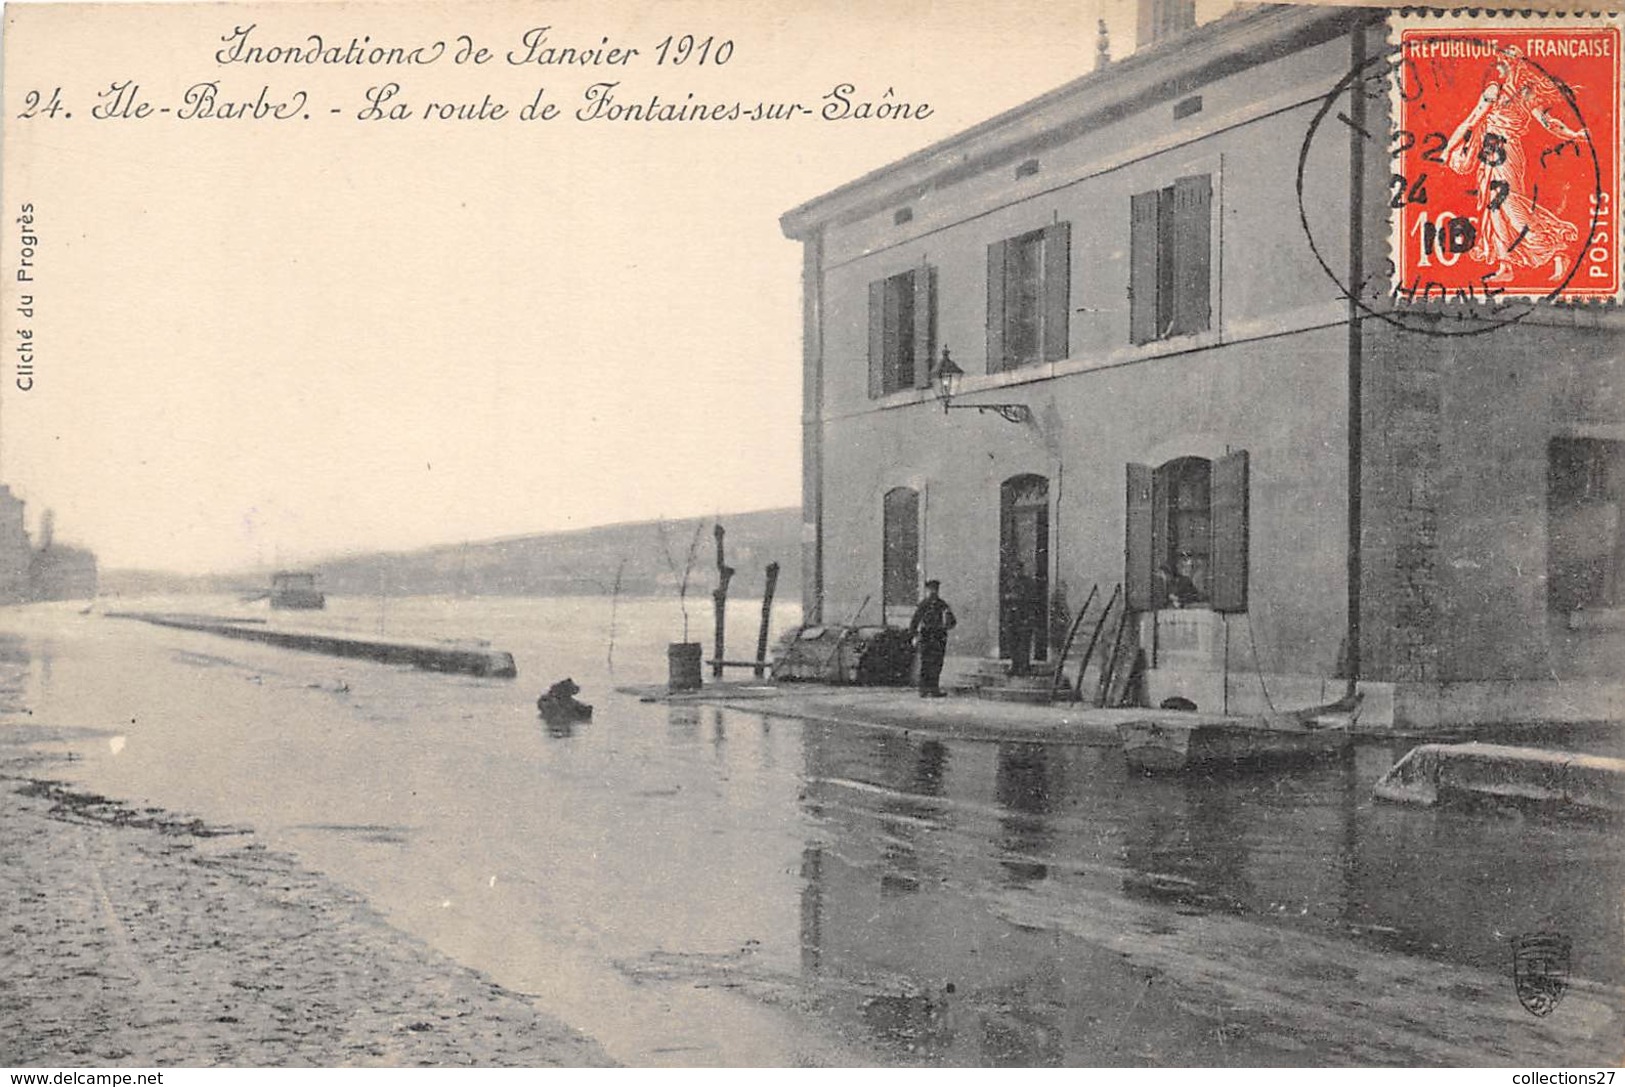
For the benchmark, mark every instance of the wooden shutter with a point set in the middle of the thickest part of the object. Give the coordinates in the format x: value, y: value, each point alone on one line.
x: 1057, y: 290
x: 1142, y: 268
x: 995, y: 306
x: 925, y: 324
x: 1193, y: 231
x: 1139, y: 567
x: 1229, y: 510
x: 877, y: 338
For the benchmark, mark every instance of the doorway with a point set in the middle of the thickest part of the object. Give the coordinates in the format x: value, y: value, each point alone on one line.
x: 900, y: 555
x: 1024, y: 547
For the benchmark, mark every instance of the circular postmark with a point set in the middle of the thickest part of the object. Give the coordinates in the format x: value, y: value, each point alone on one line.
x: 1501, y: 198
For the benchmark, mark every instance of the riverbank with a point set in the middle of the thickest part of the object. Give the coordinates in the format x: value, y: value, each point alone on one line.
x: 139, y: 938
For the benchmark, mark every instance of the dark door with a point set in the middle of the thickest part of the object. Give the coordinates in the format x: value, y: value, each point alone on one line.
x: 1024, y: 548
x: 900, y: 554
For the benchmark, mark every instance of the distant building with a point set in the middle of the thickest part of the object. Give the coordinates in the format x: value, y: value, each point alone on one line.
x: 54, y: 572
x: 1122, y: 263
x: 57, y: 571
x: 15, y: 552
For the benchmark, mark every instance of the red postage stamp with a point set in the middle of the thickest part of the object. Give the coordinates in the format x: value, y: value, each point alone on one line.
x: 1505, y: 158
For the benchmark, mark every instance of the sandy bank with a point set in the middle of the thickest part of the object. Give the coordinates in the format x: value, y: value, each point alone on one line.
x: 138, y: 938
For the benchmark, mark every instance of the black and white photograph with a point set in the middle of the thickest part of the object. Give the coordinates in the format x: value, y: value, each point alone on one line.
x: 708, y: 534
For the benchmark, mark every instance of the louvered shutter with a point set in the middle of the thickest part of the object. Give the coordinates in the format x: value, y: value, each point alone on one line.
x: 925, y: 324
x: 1193, y: 225
x: 877, y: 338
x: 1142, y: 268
x: 1139, y: 568
x: 1229, y: 510
x: 1057, y: 290
x: 995, y: 306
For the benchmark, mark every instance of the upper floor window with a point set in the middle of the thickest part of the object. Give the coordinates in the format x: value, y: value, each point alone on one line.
x: 1028, y: 292
x: 902, y: 326
x: 1187, y: 539
x: 1170, y: 248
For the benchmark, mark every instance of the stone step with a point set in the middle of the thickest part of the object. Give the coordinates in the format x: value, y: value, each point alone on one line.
x: 1036, y: 696
x: 1036, y: 687
x: 993, y: 668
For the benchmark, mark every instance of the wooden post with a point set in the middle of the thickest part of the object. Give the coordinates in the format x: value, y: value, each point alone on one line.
x: 767, y: 615
x: 719, y: 597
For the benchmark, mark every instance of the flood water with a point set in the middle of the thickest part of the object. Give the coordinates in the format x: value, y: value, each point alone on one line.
x: 692, y: 885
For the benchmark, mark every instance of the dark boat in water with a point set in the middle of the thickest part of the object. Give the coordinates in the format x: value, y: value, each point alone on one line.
x: 296, y: 589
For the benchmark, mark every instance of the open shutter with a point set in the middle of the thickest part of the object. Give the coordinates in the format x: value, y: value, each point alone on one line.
x: 1193, y: 229
x: 925, y: 324
x: 1057, y: 290
x: 1142, y: 268
x: 995, y: 306
x: 877, y: 338
x: 1229, y: 559
x: 1139, y: 568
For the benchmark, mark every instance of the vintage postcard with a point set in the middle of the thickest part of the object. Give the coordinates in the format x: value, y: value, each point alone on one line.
x: 700, y: 533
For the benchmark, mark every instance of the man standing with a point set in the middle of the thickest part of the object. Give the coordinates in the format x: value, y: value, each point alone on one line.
x: 932, y: 621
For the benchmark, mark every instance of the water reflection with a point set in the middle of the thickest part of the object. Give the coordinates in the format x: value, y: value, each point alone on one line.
x: 1188, y: 848
x: 912, y: 774
x: 683, y: 722
x: 1022, y: 786
x: 921, y: 839
x: 559, y: 728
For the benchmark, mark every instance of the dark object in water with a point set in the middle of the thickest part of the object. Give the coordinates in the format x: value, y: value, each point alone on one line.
x: 1178, y: 703
x: 559, y: 703
x: 296, y: 589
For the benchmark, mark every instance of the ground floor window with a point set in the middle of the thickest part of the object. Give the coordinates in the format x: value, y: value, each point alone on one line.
x: 1187, y: 534
x: 1585, y: 536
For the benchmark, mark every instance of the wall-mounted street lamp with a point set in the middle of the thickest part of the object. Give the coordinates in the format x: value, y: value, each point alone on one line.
x: 948, y: 376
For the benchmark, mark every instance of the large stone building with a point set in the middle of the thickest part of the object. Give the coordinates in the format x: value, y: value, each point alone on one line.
x: 1189, y: 400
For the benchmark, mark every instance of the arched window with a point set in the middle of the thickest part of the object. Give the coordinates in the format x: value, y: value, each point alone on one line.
x: 900, y: 548
x: 1186, y: 541
x: 1186, y: 558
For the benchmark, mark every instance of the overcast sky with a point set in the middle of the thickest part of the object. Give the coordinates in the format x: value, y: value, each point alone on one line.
x: 260, y: 342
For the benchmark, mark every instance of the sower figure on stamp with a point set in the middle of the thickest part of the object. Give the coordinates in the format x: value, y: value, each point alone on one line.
x: 1491, y: 141
x: 932, y: 621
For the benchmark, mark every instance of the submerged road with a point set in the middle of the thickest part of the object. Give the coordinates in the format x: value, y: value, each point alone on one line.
x: 694, y: 886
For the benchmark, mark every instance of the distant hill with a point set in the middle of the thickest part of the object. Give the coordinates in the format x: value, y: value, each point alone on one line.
x: 583, y: 562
